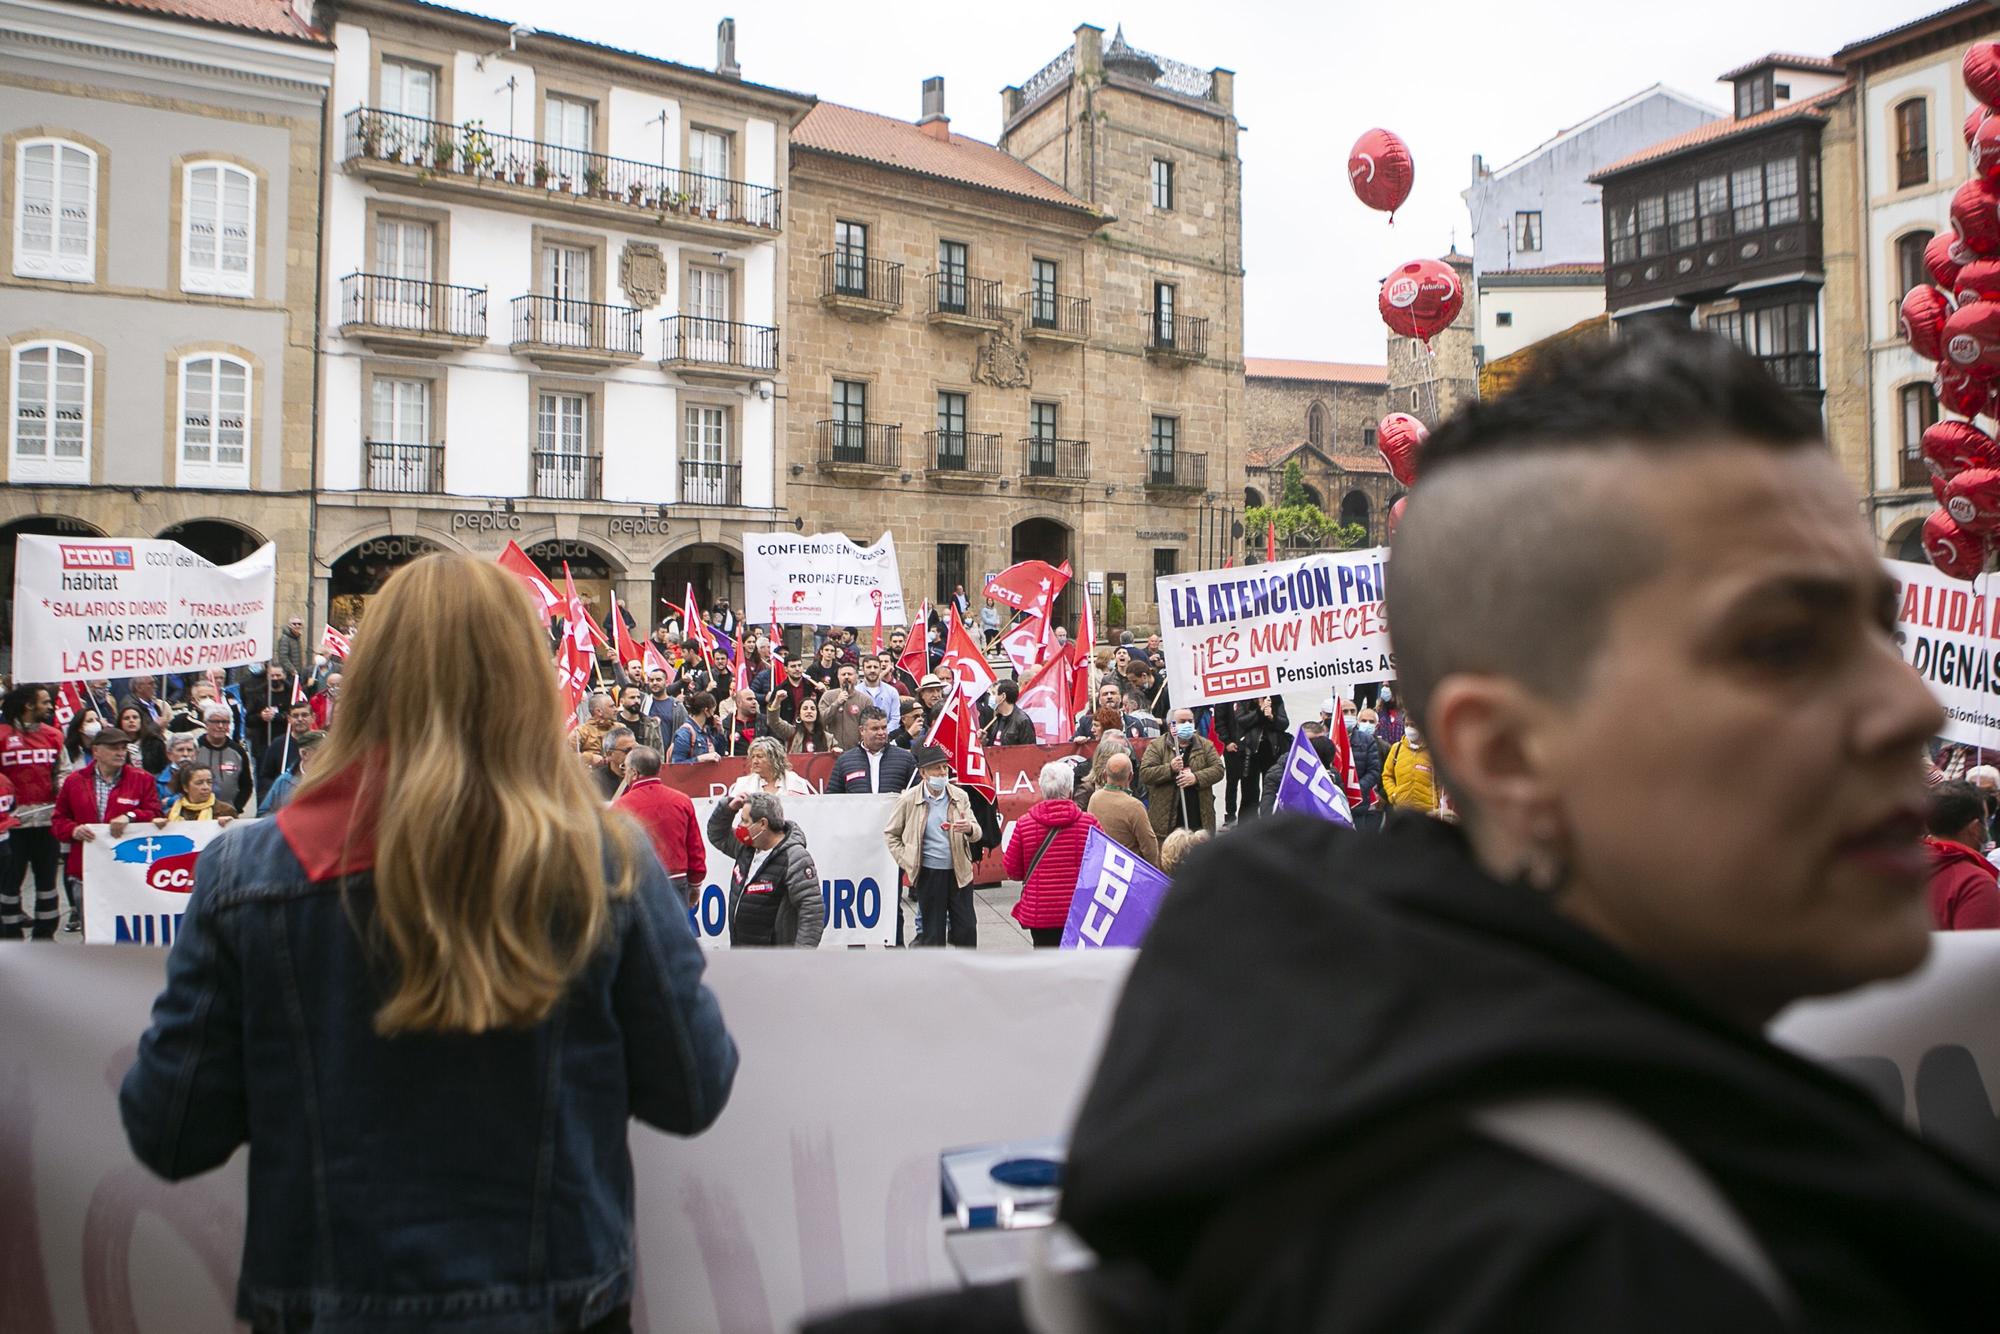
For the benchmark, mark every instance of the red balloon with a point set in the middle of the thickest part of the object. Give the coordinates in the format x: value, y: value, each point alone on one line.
x: 1951, y: 549
x: 1397, y: 439
x: 1396, y: 516
x: 1950, y: 447
x: 1942, y: 261
x: 1973, y: 499
x: 1963, y: 390
x: 1974, y: 218
x: 1986, y: 150
x: 1421, y: 298
x: 1982, y: 71
x: 1923, y: 317
x: 1977, y: 281
x: 1973, y: 120
x: 1381, y: 170
x: 1972, y: 337
x: 1937, y: 488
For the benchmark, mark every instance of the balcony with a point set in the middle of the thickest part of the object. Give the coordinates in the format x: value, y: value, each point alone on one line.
x: 1176, y: 338
x: 958, y: 301
x: 416, y: 470
x: 560, y: 334
x: 961, y: 456
x: 1052, y: 465
x: 1055, y: 318
x: 704, y: 483
x: 860, y: 448
x: 408, y: 315
x: 564, y: 476
x: 1176, y: 471
x: 430, y: 156
x: 858, y: 287
x: 716, y: 351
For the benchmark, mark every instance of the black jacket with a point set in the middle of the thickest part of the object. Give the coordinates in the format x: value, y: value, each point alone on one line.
x: 1388, y: 983
x: 1261, y: 741
x: 789, y: 871
x: 1016, y: 729
x: 850, y: 771
x: 1367, y: 768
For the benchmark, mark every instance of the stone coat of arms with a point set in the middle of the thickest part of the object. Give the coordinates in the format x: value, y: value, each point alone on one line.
x: 1002, y: 363
x: 642, y: 272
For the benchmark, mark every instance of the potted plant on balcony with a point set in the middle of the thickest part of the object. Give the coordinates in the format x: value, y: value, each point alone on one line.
x: 368, y: 128
x: 632, y: 193
x: 541, y: 173
x: 593, y: 181
x: 478, y: 149
x: 443, y: 149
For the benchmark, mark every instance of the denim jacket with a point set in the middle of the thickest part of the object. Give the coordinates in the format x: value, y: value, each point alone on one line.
x: 417, y: 1182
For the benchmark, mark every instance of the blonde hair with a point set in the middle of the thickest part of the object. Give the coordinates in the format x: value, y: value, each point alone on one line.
x: 773, y: 750
x: 1178, y: 845
x: 491, y: 890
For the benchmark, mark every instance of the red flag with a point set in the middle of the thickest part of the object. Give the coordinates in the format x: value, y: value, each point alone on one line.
x: 1045, y: 699
x: 577, y: 657
x: 1228, y: 561
x: 778, y: 676
x: 69, y: 703
x: 336, y: 644
x: 1025, y: 644
x: 1029, y: 585
x: 657, y: 662
x: 1270, y: 539
x: 628, y: 652
x: 1343, y: 754
x: 515, y: 561
x: 961, y: 741
x: 1080, y: 651
x: 916, y: 659
x: 964, y: 662
x: 876, y: 649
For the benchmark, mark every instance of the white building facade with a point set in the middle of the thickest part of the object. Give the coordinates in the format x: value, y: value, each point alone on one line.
x: 554, y: 278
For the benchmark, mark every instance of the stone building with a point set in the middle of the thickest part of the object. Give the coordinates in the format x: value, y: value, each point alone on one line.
x: 1030, y: 350
x: 1323, y: 414
x: 1428, y: 380
x: 555, y: 276
x: 160, y: 180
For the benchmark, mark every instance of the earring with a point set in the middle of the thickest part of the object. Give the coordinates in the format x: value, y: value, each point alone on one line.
x: 1546, y: 870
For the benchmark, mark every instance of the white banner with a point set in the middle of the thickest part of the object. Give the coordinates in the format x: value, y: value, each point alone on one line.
x: 857, y: 876
x: 137, y: 887
x: 821, y: 579
x: 1947, y: 630
x: 730, y: 1234
x: 1274, y: 628
x: 114, y: 606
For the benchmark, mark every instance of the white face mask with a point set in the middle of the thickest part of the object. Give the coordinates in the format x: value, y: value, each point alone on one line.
x: 92, y: 729
x: 934, y: 786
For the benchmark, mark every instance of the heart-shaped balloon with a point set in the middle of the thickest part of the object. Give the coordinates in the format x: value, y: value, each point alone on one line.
x: 1981, y: 69
x: 1950, y: 447
x: 1923, y: 319
x: 1962, y: 390
x: 1941, y: 261
x: 1974, y: 217
x: 1381, y: 170
x: 1421, y: 298
x: 1398, y: 438
x: 1951, y: 549
x: 1396, y: 516
x: 1973, y: 499
x: 1972, y: 337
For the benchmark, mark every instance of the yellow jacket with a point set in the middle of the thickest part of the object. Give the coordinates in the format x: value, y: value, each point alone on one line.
x: 1408, y: 779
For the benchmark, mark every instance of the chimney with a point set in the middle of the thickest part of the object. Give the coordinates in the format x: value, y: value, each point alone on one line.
x: 934, y: 122
x: 1478, y: 165
x: 725, y: 50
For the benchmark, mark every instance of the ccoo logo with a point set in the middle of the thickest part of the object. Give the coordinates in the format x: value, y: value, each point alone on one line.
x: 168, y: 860
x: 96, y: 558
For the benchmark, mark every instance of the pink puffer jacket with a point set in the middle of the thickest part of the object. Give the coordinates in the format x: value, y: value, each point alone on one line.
x: 1045, y: 897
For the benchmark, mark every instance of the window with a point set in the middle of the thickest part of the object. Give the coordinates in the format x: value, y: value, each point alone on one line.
x: 950, y: 431
x: 1624, y: 226
x: 1163, y: 183
x: 565, y: 319
x: 1503, y: 319
x: 218, y: 202
x: 215, y: 421
x: 1753, y: 96
x: 1781, y: 190
x: 850, y: 258
x: 1166, y: 436
x: 1368, y: 437
x: 1043, y: 293
x: 562, y: 446
x: 1042, y: 435
x: 1652, y: 226
x: 1316, y: 425
x: 708, y: 158
x: 1910, y: 270
x: 1163, y: 314
x: 1527, y: 232
x: 1780, y: 92
x: 953, y: 560
x: 50, y: 426
x: 1166, y: 561
x: 1812, y: 186
x: 402, y: 297
x: 1746, y: 185
x: 1920, y: 413
x: 1784, y: 336
x: 566, y: 124
x: 952, y: 262
x: 1913, y: 143
x: 1680, y: 218
x: 705, y: 473
x: 55, y: 211
x: 850, y: 417
x: 1713, y: 205
x: 400, y: 454
x: 409, y: 89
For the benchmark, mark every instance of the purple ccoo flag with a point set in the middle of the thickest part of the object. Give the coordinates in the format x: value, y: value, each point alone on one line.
x: 1308, y: 787
x: 1117, y: 894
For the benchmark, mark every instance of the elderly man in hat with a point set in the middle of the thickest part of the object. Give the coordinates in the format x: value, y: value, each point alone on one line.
x: 930, y: 834
x: 931, y: 692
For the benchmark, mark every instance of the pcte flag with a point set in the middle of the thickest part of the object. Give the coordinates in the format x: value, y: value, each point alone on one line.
x: 1269, y: 629
x: 89, y: 607
x: 823, y: 578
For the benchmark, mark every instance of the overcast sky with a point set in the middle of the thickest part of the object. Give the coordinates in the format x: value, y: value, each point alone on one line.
x: 1453, y: 79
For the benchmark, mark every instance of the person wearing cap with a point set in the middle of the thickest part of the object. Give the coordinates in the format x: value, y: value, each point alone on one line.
x: 109, y: 791
x: 930, y: 691
x: 909, y: 731
x: 281, y: 789
x: 930, y: 833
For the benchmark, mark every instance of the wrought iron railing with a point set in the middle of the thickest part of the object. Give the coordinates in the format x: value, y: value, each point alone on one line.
x: 949, y: 293
x: 554, y: 321
x: 1056, y: 312
x: 565, y: 476
x: 1176, y: 468
x: 750, y: 347
x: 970, y: 452
x: 861, y: 444
x: 378, y: 301
x: 705, y: 483
x: 475, y: 152
x: 411, y: 469
x: 851, y: 273
x: 1181, y: 335
x: 1047, y: 458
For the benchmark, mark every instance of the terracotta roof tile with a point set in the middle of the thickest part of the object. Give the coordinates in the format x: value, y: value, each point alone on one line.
x: 1270, y: 456
x: 864, y: 135
x: 275, y: 18
x: 1338, y: 372
x: 1579, y: 268
x: 1786, y: 60
x: 1718, y: 130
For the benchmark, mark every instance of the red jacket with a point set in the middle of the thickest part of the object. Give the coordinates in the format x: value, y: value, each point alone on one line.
x: 1046, y: 894
x: 667, y: 816
x: 30, y: 758
x: 1965, y: 888
x: 7, y: 820
x: 136, y: 796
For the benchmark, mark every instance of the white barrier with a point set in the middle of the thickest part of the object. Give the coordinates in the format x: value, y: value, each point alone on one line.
x: 857, y: 874
x: 818, y: 1186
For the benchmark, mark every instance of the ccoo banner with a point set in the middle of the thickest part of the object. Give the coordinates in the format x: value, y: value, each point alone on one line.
x: 821, y: 579
x: 139, y: 884
x: 1946, y: 629
x: 112, y: 607
x: 1273, y: 628
x: 857, y: 876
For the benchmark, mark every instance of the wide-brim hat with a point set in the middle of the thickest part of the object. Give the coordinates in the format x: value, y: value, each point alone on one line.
x: 929, y: 755
x: 931, y: 681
